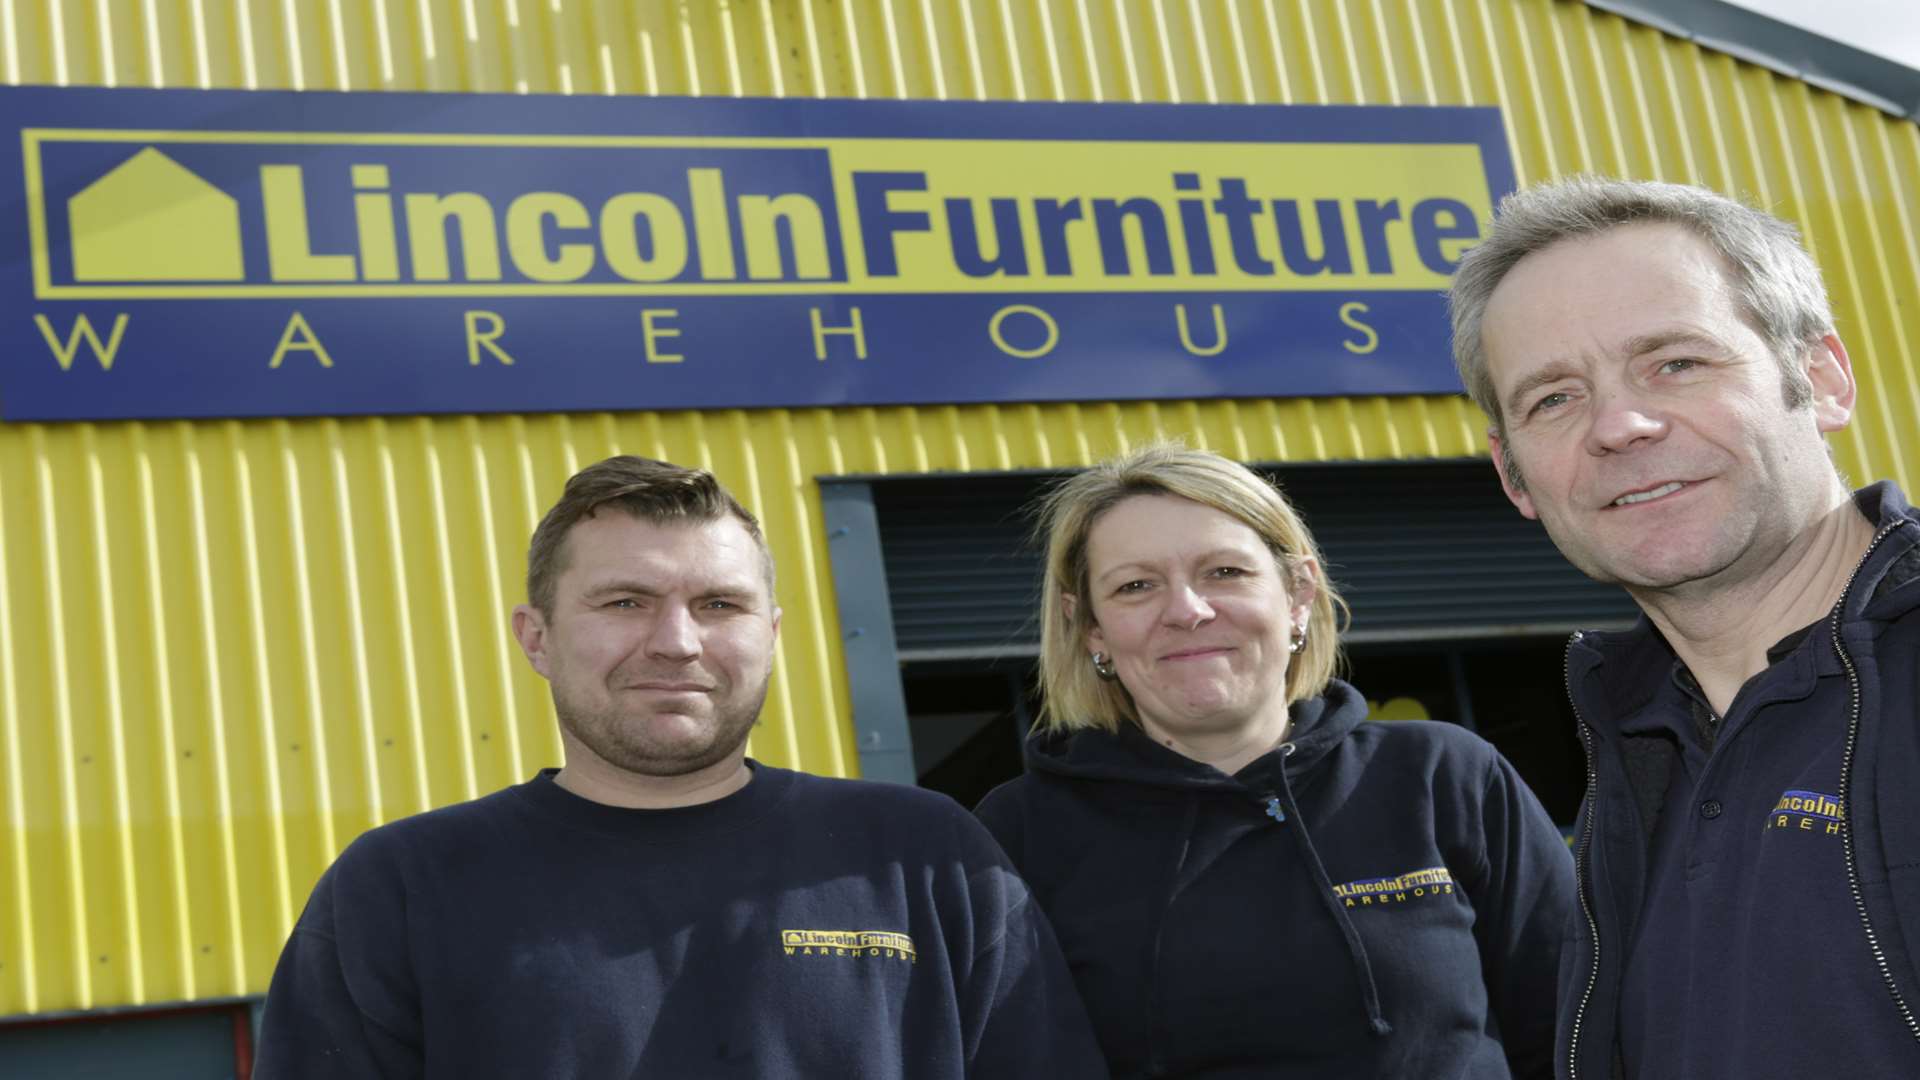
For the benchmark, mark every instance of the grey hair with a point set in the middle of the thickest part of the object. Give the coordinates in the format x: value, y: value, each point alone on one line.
x: 1774, y: 279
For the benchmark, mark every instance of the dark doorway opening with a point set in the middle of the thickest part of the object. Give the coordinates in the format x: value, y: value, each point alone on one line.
x: 968, y: 718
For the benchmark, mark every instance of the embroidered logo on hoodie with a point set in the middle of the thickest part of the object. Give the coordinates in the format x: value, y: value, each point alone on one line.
x: 1398, y: 889
x: 883, y: 944
x: 1808, y: 811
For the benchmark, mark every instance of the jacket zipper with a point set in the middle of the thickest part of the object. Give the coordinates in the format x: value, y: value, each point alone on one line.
x: 1580, y: 857
x: 1846, y: 783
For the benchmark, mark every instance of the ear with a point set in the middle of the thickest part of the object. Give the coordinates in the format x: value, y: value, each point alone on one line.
x: 776, y: 623
x: 1516, y: 492
x: 1303, y: 584
x: 1069, y: 604
x: 530, y: 629
x: 1831, y: 373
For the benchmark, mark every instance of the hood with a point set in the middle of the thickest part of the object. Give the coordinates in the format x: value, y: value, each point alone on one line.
x: 1129, y: 756
x: 1889, y: 582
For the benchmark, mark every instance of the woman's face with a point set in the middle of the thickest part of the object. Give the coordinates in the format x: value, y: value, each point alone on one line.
x: 1194, y: 609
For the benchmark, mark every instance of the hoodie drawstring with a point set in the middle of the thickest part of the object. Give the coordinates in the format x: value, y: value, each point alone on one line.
x: 1362, y: 969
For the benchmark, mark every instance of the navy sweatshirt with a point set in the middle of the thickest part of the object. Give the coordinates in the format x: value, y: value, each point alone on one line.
x: 1752, y: 881
x: 800, y: 927
x: 1368, y: 900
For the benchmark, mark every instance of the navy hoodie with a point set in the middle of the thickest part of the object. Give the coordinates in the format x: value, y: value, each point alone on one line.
x: 800, y: 927
x: 1368, y: 900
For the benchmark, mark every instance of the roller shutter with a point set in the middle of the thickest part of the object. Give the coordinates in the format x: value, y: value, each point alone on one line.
x: 1420, y: 551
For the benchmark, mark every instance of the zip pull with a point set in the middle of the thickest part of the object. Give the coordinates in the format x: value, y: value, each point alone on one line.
x: 1273, y: 808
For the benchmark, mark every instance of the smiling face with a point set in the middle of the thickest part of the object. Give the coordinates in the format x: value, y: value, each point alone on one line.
x: 1193, y: 607
x: 660, y: 643
x: 1647, y: 420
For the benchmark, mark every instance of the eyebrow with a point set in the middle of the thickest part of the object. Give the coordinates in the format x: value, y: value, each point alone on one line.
x: 1522, y: 390
x: 1643, y: 344
x: 608, y: 588
x: 728, y: 590
x: 1137, y: 564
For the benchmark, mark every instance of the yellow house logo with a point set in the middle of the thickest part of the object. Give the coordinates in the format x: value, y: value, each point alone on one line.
x: 153, y: 220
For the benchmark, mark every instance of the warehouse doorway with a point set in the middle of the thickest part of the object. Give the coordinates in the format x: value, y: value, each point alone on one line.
x: 1461, y: 609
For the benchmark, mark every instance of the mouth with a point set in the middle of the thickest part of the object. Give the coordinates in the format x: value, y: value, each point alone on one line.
x: 672, y: 687
x: 1633, y: 497
x: 1197, y: 654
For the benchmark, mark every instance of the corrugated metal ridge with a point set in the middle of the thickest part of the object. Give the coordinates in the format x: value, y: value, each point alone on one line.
x: 1793, y: 51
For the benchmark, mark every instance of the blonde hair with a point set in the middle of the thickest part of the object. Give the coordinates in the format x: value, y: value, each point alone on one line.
x: 1074, y: 697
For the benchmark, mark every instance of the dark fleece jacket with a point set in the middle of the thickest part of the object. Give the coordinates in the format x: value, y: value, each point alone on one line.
x: 1839, y: 702
x: 1368, y: 900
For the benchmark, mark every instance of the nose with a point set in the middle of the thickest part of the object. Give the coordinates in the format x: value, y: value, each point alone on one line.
x: 1622, y: 420
x: 1186, y: 608
x: 674, y: 635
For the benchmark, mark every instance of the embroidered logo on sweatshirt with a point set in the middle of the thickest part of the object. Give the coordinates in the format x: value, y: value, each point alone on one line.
x: 877, y: 944
x: 1398, y: 889
x: 1808, y: 811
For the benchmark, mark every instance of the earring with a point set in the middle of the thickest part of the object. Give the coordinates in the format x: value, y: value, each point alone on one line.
x: 1103, y: 667
x: 1298, y: 640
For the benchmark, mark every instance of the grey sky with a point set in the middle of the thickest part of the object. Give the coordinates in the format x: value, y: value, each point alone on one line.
x: 1890, y: 28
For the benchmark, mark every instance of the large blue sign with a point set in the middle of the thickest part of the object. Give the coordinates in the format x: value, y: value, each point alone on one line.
x: 182, y: 253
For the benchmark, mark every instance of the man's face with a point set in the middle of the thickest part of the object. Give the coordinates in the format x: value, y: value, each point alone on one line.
x: 1647, y: 418
x: 660, y: 643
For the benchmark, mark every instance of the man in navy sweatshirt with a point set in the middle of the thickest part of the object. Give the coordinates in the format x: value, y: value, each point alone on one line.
x: 1661, y: 371
x: 662, y: 905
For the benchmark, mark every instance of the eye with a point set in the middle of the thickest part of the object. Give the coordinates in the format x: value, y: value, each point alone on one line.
x: 719, y: 605
x: 1679, y: 364
x: 623, y: 603
x: 1133, y: 587
x: 1549, y: 402
x: 1228, y: 572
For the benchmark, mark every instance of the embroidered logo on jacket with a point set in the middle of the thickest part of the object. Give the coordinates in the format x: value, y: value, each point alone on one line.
x: 1412, y: 885
x: 1808, y: 811
x: 883, y: 944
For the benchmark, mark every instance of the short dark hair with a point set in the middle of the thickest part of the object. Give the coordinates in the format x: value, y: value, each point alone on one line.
x: 656, y: 491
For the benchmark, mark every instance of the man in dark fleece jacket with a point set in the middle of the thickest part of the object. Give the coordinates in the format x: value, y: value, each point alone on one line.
x: 1661, y: 369
x: 662, y: 906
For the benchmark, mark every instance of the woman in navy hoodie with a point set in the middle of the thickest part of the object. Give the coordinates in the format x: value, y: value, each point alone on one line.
x: 1247, y: 880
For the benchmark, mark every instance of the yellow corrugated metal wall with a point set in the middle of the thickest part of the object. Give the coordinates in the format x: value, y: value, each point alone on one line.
x: 228, y: 647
